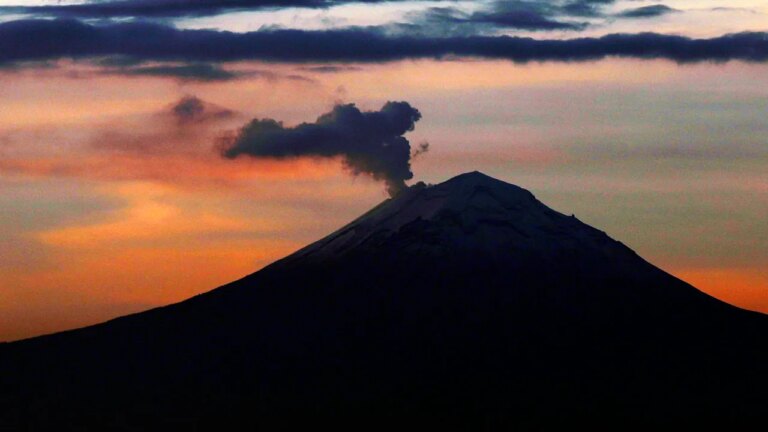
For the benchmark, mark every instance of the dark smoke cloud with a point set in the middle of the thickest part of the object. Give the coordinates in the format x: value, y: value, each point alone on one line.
x: 369, y: 142
x: 48, y: 40
x: 188, y: 109
x: 191, y: 109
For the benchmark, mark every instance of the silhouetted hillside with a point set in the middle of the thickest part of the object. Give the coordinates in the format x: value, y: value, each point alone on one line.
x: 467, y: 305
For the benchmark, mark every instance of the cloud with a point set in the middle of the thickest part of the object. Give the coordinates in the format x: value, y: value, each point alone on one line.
x: 499, y: 15
x: 369, y: 142
x: 651, y: 11
x: 191, y: 109
x: 331, y: 68
x: 420, y: 149
x: 54, y: 39
x: 170, y: 8
x: 198, y: 72
x: 526, y: 20
x: 171, y: 145
x: 188, y: 109
x: 27, y: 65
x: 201, y: 72
x: 199, y: 170
x: 584, y: 8
x: 525, y: 15
x: 184, y: 127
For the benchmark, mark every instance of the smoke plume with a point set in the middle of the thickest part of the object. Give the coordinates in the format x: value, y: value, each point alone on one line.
x: 369, y: 142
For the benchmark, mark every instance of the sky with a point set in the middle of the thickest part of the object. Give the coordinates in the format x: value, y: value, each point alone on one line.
x: 154, y: 150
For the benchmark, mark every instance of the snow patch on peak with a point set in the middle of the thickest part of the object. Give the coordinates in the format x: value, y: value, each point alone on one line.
x: 470, y: 192
x: 471, y: 209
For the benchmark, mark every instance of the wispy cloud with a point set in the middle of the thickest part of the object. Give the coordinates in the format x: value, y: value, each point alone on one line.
x: 651, y: 11
x: 201, y: 72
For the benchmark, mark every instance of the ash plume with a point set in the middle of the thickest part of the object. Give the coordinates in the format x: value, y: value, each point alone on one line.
x: 369, y: 142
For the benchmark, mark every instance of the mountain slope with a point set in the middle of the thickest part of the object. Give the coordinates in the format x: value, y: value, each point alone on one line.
x: 466, y: 305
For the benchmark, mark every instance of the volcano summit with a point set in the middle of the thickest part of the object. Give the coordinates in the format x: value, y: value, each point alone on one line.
x: 467, y: 305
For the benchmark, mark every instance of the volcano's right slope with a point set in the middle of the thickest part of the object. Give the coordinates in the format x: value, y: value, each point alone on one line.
x: 467, y: 305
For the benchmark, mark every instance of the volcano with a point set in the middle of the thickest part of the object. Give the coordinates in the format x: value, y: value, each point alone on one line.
x: 467, y: 305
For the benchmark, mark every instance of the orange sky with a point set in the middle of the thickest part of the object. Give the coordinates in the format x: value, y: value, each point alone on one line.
x: 108, y: 208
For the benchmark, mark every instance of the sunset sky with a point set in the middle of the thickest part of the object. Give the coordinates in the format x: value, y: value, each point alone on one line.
x: 645, y: 119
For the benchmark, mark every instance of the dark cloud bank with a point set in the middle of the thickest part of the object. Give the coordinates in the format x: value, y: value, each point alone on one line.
x: 172, y: 8
x: 369, y: 142
x: 44, y: 40
x: 521, y: 14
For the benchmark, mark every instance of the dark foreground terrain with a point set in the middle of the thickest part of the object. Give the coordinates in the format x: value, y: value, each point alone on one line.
x: 468, y: 305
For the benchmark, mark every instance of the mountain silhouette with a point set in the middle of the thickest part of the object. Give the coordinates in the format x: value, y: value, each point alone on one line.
x: 467, y: 305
